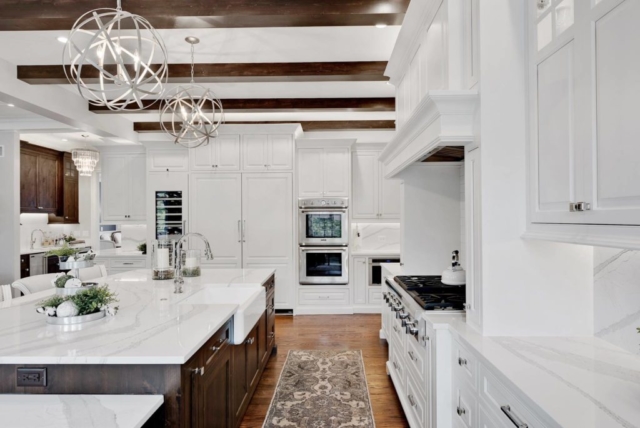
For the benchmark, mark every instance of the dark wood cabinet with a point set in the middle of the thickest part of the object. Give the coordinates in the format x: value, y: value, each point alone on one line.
x: 68, y: 212
x: 40, y: 179
x: 25, y: 266
x: 215, y: 390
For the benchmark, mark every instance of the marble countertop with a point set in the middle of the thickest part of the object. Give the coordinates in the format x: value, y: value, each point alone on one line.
x: 119, y: 252
x: 37, y: 250
x: 75, y: 411
x: 579, y: 382
x: 152, y: 326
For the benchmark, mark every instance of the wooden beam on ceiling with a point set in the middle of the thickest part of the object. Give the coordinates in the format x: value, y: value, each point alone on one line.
x: 446, y: 154
x: 360, y: 71
x: 320, y: 125
x: 38, y: 15
x: 265, y: 105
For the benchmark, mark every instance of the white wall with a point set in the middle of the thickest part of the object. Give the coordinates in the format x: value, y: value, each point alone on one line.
x: 529, y: 287
x: 617, y: 297
x: 9, y: 207
x: 430, y: 217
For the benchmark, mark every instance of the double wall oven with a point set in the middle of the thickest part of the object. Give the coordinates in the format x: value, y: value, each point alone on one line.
x: 323, y: 231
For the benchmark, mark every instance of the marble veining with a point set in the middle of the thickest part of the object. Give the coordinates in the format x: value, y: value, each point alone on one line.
x: 152, y: 326
x: 376, y: 236
x: 570, y: 382
x: 617, y: 297
x: 77, y: 411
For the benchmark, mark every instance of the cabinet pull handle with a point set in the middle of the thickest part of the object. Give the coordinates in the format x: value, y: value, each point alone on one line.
x: 412, y: 401
x: 239, y: 230
x: 199, y: 370
x: 506, y: 409
x: 413, y: 357
x: 215, y: 349
x: 395, y: 366
x: 128, y: 264
x: 460, y: 411
x: 251, y: 340
x: 244, y: 230
x: 462, y: 361
x: 579, y: 206
x: 40, y: 208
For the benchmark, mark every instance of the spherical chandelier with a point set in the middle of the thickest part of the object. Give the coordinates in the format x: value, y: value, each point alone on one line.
x: 191, y: 114
x: 85, y: 160
x: 116, y: 59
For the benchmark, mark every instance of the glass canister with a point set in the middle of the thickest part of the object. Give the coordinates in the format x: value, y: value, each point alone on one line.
x: 191, y: 263
x: 163, y: 264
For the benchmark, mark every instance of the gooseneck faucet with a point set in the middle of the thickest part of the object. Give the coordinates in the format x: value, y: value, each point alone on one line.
x: 33, y: 240
x: 178, y: 280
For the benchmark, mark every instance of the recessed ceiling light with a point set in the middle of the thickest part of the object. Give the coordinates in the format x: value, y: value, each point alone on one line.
x: 65, y: 140
x: 62, y: 39
x: 381, y: 25
x: 10, y: 105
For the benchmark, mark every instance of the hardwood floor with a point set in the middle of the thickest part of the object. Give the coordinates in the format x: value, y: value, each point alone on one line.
x: 331, y: 332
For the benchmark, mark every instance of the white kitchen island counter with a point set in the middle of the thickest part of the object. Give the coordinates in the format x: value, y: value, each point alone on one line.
x: 151, y: 327
x: 74, y: 411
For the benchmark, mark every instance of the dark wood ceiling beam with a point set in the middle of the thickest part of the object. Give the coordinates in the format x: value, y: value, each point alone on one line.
x: 280, y: 105
x: 362, y: 71
x: 320, y: 125
x: 31, y: 15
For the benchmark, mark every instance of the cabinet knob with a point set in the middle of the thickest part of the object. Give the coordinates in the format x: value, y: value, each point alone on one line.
x: 250, y: 340
x: 40, y: 208
x: 460, y: 411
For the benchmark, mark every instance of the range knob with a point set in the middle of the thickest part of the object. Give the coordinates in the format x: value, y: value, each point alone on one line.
x: 412, y: 328
x: 324, y: 202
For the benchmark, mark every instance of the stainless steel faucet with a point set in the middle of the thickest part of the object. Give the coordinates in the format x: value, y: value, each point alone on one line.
x: 178, y: 280
x: 33, y: 240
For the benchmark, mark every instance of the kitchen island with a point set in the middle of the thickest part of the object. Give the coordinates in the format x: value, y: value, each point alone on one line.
x: 182, y: 346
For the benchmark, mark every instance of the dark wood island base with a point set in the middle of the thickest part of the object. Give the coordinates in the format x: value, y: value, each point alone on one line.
x: 211, y: 390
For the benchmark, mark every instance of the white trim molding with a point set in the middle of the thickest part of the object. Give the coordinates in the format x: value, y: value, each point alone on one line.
x: 626, y: 237
x: 443, y: 118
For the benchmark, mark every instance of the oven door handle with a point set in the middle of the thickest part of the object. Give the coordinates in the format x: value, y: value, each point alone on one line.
x: 324, y: 250
x: 324, y: 211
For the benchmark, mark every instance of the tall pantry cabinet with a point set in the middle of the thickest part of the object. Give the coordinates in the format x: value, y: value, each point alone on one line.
x: 241, y: 201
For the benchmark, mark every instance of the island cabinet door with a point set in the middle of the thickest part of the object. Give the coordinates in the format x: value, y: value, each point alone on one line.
x: 263, y: 341
x: 253, y: 355
x: 216, y: 386
x: 240, y: 386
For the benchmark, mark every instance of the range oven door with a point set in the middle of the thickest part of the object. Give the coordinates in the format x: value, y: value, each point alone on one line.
x: 324, y: 266
x: 323, y: 227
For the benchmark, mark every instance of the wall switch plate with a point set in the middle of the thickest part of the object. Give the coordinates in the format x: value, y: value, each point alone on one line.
x: 31, y: 376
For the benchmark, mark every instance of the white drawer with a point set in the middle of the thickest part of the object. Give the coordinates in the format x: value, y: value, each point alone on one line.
x: 329, y: 297
x: 487, y: 419
x: 375, y: 296
x: 465, y: 364
x: 465, y: 404
x: 397, y: 365
x: 416, y: 357
x: 503, y: 402
x: 397, y: 331
x: 127, y: 264
x: 418, y: 404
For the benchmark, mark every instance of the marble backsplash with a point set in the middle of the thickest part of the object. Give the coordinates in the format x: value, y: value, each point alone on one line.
x: 376, y: 236
x: 617, y: 297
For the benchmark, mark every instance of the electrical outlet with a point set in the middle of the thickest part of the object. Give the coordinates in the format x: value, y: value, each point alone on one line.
x: 32, y: 376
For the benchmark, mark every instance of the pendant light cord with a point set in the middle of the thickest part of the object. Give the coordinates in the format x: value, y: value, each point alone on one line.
x: 193, y: 61
x: 119, y: 7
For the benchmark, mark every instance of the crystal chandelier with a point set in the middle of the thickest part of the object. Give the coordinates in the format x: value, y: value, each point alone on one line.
x: 116, y: 59
x: 85, y: 160
x: 193, y: 112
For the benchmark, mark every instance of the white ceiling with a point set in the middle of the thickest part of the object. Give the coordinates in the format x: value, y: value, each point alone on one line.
x: 8, y: 113
x: 56, y: 140
x: 229, y: 45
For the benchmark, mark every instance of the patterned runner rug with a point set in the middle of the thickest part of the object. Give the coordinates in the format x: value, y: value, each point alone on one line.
x: 321, y: 389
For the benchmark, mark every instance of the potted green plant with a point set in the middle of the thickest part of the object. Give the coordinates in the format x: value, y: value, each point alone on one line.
x: 143, y: 247
x: 87, y: 305
x: 63, y: 253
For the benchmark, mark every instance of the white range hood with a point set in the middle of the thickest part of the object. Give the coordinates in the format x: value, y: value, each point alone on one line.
x: 442, y: 118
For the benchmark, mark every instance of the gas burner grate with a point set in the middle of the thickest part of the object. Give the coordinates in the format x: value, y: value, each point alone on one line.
x: 431, y: 293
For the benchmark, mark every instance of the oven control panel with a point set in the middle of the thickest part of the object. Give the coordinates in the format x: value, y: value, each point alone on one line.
x: 323, y: 202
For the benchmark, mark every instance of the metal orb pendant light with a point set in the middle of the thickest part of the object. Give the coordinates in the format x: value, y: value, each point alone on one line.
x: 116, y: 59
x: 192, y: 113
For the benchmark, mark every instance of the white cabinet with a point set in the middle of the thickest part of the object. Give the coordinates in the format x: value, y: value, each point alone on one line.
x: 374, y: 197
x: 584, y: 92
x: 221, y: 154
x: 473, y: 234
x: 267, y: 216
x: 167, y: 160
x: 123, y: 186
x: 267, y: 152
x: 324, y: 172
x: 216, y: 212
x: 119, y: 264
x: 359, y: 280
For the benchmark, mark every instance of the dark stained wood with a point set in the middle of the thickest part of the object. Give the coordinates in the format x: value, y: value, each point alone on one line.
x: 215, y: 390
x: 446, y: 154
x: 68, y: 212
x: 320, y: 125
x: 363, y: 71
x: 280, y: 105
x: 336, y: 332
x: 40, y: 179
x: 30, y: 15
